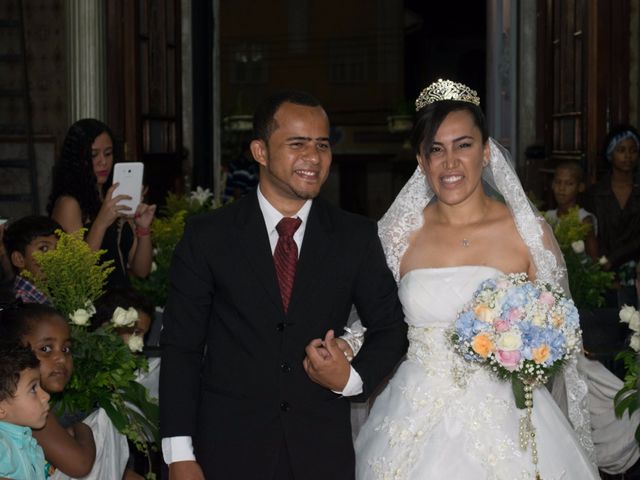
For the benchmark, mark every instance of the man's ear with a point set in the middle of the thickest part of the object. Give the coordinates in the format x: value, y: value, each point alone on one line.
x: 581, y: 187
x: 3, y: 412
x: 259, y: 151
x: 17, y: 259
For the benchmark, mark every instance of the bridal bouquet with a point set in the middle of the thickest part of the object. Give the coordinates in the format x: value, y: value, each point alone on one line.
x: 522, y: 330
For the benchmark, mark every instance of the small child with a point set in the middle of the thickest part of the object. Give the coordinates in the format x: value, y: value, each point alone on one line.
x: 23, y: 405
x: 35, y: 233
x: 70, y: 450
x: 568, y: 182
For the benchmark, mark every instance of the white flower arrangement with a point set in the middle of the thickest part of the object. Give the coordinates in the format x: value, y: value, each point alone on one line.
x: 81, y: 316
x: 631, y: 316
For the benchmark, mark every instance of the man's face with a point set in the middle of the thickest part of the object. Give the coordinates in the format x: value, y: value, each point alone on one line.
x: 26, y: 261
x: 29, y: 405
x: 295, y: 161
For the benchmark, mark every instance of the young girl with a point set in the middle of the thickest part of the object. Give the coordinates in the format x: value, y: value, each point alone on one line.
x: 91, y: 449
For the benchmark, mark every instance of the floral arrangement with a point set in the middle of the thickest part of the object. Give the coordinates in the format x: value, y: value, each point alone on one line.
x: 104, y: 366
x: 587, y: 280
x: 523, y: 331
x: 628, y: 398
x: 166, y: 232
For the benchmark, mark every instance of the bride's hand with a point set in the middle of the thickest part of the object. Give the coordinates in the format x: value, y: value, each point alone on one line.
x: 345, y: 348
x: 326, y: 364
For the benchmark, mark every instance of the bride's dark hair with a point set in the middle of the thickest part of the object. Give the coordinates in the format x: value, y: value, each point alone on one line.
x: 429, y: 118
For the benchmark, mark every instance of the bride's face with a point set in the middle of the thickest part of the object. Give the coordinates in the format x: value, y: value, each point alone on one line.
x: 454, y: 163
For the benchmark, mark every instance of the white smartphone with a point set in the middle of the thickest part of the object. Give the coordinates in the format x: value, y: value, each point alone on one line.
x: 129, y: 177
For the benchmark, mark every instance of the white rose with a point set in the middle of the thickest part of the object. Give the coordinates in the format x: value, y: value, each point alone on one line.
x: 578, y: 246
x: 634, y: 343
x: 154, y: 267
x: 124, y: 318
x: 509, y: 341
x: 603, y: 260
x: 135, y: 343
x: 626, y: 312
x: 634, y: 322
x: 80, y: 317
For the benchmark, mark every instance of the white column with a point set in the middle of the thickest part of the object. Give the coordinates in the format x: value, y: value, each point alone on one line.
x: 86, y: 59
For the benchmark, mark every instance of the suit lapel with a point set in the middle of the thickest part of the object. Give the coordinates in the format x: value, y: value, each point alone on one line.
x: 254, y: 243
x: 315, y: 246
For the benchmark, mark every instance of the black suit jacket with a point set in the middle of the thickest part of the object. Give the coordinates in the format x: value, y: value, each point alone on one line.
x: 232, y: 375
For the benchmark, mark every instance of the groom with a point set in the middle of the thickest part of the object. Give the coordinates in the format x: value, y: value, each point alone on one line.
x: 249, y: 293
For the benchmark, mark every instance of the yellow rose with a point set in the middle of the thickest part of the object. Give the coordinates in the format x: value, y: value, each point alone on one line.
x: 540, y: 354
x: 482, y: 345
x: 484, y: 313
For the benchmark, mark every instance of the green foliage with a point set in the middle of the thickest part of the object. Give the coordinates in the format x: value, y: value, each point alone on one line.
x: 166, y: 232
x: 587, y: 281
x: 72, y: 272
x: 105, y: 369
x: 628, y: 398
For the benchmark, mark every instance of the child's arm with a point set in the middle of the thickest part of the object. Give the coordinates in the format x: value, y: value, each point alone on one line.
x: 73, y: 453
x: 591, y: 241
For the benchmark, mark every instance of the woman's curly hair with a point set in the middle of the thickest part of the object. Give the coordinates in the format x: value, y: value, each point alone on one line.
x: 73, y: 172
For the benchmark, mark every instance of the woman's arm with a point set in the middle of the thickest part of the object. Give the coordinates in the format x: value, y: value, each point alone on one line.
x: 71, y: 451
x: 141, y: 253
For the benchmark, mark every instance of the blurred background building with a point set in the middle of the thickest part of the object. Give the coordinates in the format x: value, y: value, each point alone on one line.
x: 177, y: 80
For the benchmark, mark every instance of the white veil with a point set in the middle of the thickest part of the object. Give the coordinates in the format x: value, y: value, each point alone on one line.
x: 405, y: 216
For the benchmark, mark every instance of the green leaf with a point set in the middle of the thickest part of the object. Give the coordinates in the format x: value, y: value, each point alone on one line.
x: 518, y: 391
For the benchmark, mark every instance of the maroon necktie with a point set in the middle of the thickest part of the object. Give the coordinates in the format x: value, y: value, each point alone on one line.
x: 285, y: 257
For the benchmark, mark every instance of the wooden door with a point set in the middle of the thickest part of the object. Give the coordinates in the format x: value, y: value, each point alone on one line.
x: 145, y: 106
x: 584, y: 74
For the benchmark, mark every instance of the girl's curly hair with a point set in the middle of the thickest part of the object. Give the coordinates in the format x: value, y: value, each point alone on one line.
x: 73, y: 172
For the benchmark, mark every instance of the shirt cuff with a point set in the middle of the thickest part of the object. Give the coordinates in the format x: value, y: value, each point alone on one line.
x: 353, y: 387
x: 177, y: 449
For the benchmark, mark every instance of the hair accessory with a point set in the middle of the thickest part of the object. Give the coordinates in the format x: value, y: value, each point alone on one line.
x: 446, y: 90
x: 613, y: 143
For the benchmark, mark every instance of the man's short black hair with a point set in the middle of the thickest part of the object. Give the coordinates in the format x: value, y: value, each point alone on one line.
x: 263, y: 122
x: 14, y: 358
x: 23, y: 231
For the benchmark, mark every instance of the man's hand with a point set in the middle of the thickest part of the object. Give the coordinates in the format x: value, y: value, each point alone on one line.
x: 189, y: 470
x: 326, y: 363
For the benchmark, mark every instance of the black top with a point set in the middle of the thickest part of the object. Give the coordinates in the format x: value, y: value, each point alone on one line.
x: 618, y: 228
x: 117, y: 241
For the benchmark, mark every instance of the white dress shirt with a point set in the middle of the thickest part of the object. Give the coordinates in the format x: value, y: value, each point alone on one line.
x: 178, y: 449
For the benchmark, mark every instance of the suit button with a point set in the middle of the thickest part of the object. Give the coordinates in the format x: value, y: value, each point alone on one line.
x: 281, y: 326
x: 285, y: 407
x: 285, y: 367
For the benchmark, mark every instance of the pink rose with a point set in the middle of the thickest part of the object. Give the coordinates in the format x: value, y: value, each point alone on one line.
x: 547, y: 298
x: 501, y: 325
x: 515, y: 314
x: 509, y: 359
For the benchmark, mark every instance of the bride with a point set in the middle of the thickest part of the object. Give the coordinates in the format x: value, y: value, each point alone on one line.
x: 440, y: 417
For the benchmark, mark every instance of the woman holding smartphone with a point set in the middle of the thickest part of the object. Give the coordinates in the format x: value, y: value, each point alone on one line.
x: 82, y: 195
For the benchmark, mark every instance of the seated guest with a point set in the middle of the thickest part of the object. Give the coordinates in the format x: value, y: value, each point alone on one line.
x: 82, y: 197
x: 35, y: 233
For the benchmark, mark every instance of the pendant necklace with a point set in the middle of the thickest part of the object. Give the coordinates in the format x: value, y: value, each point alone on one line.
x: 465, y: 241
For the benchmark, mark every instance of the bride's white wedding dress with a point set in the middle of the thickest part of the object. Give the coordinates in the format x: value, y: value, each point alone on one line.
x: 440, y: 417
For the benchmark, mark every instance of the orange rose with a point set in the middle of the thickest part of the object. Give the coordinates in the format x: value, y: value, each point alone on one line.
x: 540, y: 354
x: 482, y: 345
